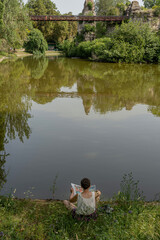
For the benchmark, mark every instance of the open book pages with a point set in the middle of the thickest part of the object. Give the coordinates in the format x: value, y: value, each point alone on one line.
x: 79, y: 189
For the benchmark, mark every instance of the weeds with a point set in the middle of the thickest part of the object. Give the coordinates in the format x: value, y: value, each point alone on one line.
x: 53, y: 188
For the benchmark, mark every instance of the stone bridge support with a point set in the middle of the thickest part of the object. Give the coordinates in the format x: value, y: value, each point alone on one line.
x: 87, y: 29
x: 149, y: 16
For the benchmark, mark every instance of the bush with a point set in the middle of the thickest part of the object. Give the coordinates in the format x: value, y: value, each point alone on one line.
x: 69, y: 48
x: 4, y: 46
x: 122, y: 7
x: 132, y: 42
x: 113, y: 11
x: 36, y: 43
x: 89, y: 28
x: 156, y: 11
x: 90, y: 5
x: 139, y: 36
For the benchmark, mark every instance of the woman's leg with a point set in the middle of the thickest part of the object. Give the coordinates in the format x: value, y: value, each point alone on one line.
x: 69, y: 205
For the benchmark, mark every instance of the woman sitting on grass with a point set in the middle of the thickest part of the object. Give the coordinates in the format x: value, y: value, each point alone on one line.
x: 86, y: 202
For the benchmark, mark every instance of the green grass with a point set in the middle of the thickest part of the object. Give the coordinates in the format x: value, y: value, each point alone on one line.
x: 46, y: 220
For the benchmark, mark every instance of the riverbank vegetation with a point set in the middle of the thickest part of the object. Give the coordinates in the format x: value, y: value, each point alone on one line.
x: 16, y: 26
x: 38, y: 220
x: 126, y: 216
x: 130, y: 42
x: 36, y: 43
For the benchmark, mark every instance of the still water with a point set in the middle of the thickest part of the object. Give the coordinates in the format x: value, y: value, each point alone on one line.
x: 72, y: 118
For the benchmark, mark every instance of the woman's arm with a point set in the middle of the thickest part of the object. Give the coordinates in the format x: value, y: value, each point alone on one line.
x: 72, y: 197
x: 97, y: 195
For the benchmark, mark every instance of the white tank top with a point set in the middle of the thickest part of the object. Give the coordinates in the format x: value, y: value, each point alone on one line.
x: 86, y: 206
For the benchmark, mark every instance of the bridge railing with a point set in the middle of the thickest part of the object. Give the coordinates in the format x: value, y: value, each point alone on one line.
x: 79, y: 18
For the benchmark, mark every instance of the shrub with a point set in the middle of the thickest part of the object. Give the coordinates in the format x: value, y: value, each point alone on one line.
x: 131, y: 42
x: 90, y: 5
x: 122, y: 7
x: 89, y: 28
x: 156, y: 11
x: 113, y: 11
x: 36, y: 43
x: 69, y: 48
x: 139, y: 36
x: 84, y: 49
x: 4, y: 46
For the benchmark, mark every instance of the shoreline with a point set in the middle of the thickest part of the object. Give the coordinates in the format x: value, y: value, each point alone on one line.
x: 20, y: 53
x: 51, y: 200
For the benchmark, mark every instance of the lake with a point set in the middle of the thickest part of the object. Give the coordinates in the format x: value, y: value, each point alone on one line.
x: 65, y: 119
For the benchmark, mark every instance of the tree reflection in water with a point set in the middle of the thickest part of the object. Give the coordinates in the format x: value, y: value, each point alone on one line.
x: 102, y: 86
x: 14, y: 108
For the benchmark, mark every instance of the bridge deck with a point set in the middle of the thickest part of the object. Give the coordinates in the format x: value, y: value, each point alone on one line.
x: 79, y: 18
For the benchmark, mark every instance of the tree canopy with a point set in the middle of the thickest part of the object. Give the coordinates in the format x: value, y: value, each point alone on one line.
x: 14, y: 22
x: 36, y: 43
x: 110, y: 7
x: 52, y: 31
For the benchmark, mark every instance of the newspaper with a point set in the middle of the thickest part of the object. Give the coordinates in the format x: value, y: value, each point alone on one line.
x: 79, y: 189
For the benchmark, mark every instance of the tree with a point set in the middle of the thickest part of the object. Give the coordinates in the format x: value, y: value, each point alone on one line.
x: 103, y: 7
x: 149, y: 3
x: 36, y: 43
x: 15, y: 22
x: 52, y: 31
x: 108, y: 8
x: 1, y: 17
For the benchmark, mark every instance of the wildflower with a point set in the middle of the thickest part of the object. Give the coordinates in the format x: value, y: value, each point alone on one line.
x: 130, y: 211
x: 1, y: 234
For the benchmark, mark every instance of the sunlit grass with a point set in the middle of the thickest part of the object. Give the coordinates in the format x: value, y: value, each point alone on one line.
x: 28, y: 219
x: 125, y: 217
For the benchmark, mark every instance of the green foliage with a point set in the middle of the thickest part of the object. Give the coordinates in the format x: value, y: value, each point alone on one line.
x: 100, y: 29
x: 129, y: 189
x: 156, y: 11
x: 149, y: 3
x: 52, y: 31
x: 90, y: 5
x: 48, y: 220
x: 4, y: 46
x: 36, y: 43
x: 109, y: 8
x: 88, y: 28
x: 113, y: 11
x: 1, y: 18
x: 90, y: 13
x: 137, y: 35
x: 16, y: 22
x: 104, y: 7
x: 130, y: 42
x: 69, y: 48
x: 122, y: 7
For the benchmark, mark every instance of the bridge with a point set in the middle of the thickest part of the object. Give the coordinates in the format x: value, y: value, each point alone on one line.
x: 80, y: 18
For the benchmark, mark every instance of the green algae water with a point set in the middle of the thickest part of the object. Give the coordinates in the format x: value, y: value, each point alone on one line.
x: 66, y: 119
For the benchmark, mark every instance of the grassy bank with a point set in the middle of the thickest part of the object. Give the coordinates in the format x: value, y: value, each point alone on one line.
x: 35, y: 219
x: 4, y: 55
x: 21, y: 53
